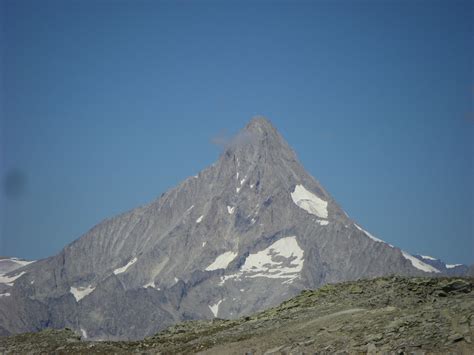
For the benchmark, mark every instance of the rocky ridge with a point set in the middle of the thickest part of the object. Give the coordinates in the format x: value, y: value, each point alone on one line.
x: 389, y: 314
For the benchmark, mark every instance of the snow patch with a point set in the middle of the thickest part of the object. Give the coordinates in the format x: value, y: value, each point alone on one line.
x: 176, y: 280
x: 452, y: 266
x: 263, y: 261
x: 428, y: 257
x: 309, y: 202
x: 230, y: 209
x: 199, y: 219
x: 204, y: 244
x: 237, y: 189
x: 124, y: 268
x: 150, y: 284
x: 80, y: 292
x: 22, y: 262
x: 84, y: 333
x: 322, y: 222
x: 375, y: 239
x: 222, y: 261
x: 5, y: 294
x: 368, y: 234
x: 215, y: 308
x: 420, y: 265
x: 281, y: 260
x: 10, y: 280
x: 189, y: 209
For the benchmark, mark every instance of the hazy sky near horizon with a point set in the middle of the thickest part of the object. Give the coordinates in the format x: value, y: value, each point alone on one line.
x: 106, y: 104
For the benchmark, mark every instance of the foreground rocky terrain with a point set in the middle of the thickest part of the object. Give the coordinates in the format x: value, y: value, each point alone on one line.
x: 389, y: 314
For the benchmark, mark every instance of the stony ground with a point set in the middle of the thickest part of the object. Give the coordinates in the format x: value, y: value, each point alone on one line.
x: 384, y: 315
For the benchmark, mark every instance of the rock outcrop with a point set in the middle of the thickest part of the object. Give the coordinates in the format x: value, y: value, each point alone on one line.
x: 384, y: 315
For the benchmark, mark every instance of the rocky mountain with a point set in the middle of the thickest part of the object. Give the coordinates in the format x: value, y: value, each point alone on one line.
x: 7, y: 265
x: 470, y: 271
x: 391, y: 315
x: 245, y: 234
x: 447, y: 269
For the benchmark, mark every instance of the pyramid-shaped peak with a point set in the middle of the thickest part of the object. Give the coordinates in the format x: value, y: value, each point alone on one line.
x: 260, y: 140
x: 262, y: 131
x: 260, y: 124
x: 259, y: 133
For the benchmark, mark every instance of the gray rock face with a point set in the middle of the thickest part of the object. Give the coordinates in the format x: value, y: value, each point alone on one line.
x: 244, y: 234
x: 7, y: 265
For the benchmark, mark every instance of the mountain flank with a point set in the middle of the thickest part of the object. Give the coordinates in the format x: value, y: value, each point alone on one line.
x: 246, y: 233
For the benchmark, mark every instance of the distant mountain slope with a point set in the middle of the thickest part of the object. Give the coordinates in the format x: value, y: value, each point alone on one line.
x: 447, y: 269
x: 384, y: 315
x: 9, y: 264
x: 246, y: 233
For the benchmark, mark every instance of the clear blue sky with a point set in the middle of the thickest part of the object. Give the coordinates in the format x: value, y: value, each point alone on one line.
x: 107, y: 104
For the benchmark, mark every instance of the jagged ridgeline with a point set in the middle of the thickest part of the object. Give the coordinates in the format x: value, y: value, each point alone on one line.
x: 246, y: 233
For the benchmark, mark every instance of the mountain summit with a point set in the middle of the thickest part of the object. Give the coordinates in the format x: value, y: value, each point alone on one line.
x: 246, y: 233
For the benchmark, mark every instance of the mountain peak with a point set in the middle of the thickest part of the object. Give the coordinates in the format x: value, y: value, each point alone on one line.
x: 255, y: 224
x: 259, y: 136
x: 260, y: 124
